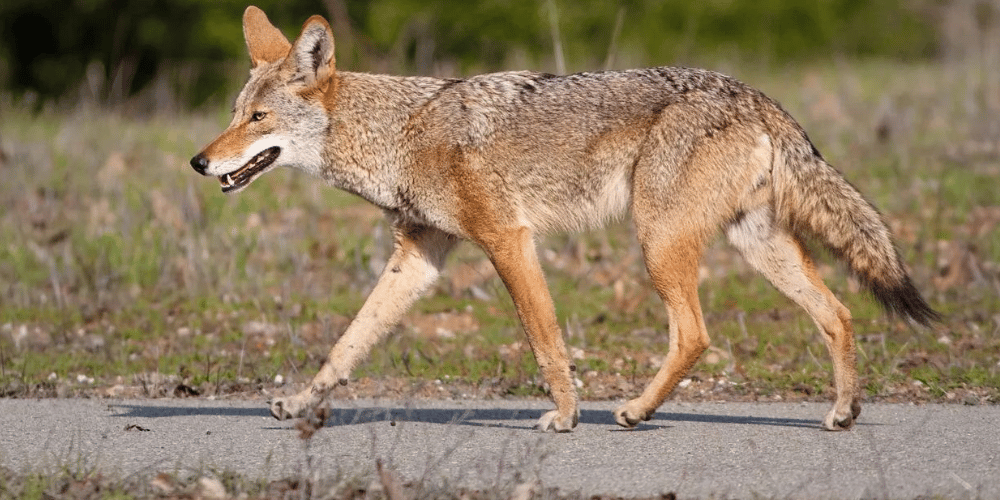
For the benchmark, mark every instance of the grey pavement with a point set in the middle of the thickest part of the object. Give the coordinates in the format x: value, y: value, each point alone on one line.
x: 704, y: 450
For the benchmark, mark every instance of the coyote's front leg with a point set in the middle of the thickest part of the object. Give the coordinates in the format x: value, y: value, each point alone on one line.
x: 416, y: 261
x: 516, y: 261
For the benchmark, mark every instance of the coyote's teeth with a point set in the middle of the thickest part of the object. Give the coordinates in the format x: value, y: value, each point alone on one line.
x: 226, y: 180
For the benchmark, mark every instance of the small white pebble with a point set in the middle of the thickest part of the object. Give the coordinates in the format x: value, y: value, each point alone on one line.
x: 278, y: 379
x: 212, y: 488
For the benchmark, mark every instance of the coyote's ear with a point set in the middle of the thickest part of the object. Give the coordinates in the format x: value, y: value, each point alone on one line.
x: 265, y: 42
x: 312, y: 54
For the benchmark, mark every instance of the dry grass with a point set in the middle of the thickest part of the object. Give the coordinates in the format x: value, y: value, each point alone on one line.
x: 208, y: 485
x: 124, y: 273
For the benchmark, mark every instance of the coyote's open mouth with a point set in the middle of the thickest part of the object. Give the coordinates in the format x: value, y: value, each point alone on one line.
x: 256, y: 166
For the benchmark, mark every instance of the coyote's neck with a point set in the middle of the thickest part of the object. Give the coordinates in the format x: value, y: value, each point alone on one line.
x: 366, y: 141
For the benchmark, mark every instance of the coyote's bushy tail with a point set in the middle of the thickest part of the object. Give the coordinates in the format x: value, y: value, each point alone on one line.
x: 813, y: 198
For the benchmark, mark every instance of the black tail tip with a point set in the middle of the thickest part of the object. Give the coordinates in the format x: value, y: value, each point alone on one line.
x: 903, y: 299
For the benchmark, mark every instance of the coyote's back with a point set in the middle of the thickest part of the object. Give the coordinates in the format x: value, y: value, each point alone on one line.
x: 495, y: 159
x: 566, y: 147
x: 574, y: 144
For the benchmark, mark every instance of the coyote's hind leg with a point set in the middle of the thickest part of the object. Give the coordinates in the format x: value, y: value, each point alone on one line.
x: 672, y: 263
x: 782, y: 259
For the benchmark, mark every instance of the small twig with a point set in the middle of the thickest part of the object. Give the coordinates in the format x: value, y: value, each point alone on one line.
x: 557, y: 47
x: 239, y: 366
x: 208, y: 370
x: 615, y: 33
x: 390, y: 482
x: 813, y: 356
x: 313, y: 421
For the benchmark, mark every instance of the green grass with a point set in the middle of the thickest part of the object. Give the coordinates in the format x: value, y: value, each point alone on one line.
x: 119, y: 263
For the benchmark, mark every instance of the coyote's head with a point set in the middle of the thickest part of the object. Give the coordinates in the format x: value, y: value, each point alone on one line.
x: 279, y: 117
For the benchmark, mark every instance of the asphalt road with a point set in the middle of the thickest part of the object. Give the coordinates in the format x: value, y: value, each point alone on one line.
x: 719, y: 450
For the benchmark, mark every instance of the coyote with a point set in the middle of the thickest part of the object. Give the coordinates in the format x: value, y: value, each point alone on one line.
x: 497, y: 159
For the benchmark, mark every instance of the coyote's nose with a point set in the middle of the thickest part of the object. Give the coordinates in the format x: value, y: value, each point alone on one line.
x: 199, y: 163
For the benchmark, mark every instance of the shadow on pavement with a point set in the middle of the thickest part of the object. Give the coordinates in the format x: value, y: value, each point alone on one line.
x: 156, y: 411
x: 509, y: 418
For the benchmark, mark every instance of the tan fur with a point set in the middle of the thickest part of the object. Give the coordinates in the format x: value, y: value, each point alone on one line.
x: 498, y: 159
x: 264, y: 42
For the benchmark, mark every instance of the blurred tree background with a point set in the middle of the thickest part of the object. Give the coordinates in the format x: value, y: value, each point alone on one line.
x: 181, y: 54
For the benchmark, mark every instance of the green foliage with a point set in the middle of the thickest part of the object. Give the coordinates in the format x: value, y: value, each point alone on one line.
x: 109, y: 50
x: 116, y: 48
x: 782, y: 30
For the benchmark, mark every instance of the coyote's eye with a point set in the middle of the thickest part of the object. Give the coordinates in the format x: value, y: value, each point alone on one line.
x: 257, y: 116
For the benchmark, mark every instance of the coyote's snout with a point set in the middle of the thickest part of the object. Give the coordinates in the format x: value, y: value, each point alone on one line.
x: 496, y: 159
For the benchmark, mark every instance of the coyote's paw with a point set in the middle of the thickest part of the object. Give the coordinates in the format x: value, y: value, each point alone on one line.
x: 840, y: 419
x: 293, y: 406
x: 630, y: 414
x: 554, y: 421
